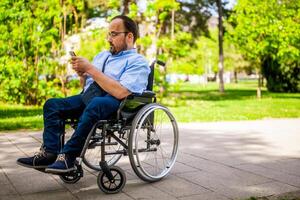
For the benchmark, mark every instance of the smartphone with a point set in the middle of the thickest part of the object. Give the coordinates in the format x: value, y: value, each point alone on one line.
x: 72, y: 53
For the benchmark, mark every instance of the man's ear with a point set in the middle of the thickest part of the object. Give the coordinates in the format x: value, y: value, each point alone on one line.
x: 130, y: 36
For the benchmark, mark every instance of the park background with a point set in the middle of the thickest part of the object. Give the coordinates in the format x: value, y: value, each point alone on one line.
x: 225, y: 60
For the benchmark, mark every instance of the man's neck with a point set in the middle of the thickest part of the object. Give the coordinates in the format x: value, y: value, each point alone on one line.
x: 128, y: 48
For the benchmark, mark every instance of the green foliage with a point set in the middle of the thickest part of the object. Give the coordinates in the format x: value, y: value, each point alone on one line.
x: 191, y: 15
x: 113, y: 4
x: 133, y: 11
x: 29, y: 36
x: 279, y: 80
x: 178, y: 47
x: 93, y: 43
x: 199, y: 55
x: 269, y: 31
x: 163, y: 7
x: 31, y: 33
x: 144, y: 42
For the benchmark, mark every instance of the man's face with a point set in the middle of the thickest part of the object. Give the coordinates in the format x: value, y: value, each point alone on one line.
x: 117, y: 36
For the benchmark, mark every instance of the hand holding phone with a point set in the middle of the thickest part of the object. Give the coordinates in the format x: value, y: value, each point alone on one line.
x: 72, y: 53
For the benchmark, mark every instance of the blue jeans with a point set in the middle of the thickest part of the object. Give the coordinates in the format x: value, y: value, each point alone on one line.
x: 56, y: 110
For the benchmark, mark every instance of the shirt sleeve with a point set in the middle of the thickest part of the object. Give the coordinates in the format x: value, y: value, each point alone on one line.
x: 135, y: 76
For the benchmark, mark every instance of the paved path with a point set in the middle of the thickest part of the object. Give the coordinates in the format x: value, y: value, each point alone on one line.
x: 222, y: 160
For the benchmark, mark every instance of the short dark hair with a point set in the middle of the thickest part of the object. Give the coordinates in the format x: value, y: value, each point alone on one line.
x: 129, y: 25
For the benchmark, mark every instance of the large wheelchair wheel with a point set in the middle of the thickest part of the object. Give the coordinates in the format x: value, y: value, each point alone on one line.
x: 92, y: 156
x: 153, y: 142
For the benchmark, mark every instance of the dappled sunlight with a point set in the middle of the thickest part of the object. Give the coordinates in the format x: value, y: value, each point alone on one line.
x: 232, y: 159
x: 244, y: 146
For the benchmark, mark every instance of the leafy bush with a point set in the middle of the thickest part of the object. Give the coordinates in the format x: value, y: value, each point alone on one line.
x: 281, y: 78
x: 28, y: 45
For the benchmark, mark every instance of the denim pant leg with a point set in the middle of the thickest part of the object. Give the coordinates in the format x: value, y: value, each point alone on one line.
x: 99, y: 108
x: 56, y: 110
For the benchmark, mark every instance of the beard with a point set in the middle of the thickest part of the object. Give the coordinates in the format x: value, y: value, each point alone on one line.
x: 113, y: 49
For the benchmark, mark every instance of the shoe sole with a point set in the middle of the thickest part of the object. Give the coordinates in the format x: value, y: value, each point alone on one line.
x: 59, y: 171
x: 31, y: 166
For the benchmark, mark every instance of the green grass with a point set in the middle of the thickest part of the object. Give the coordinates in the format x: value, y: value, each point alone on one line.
x: 14, y: 117
x: 192, y: 103
x: 189, y: 103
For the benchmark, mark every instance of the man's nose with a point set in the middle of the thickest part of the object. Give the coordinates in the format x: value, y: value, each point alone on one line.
x: 109, y: 39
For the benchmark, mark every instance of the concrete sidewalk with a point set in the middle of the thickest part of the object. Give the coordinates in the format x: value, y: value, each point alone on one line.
x: 221, y: 160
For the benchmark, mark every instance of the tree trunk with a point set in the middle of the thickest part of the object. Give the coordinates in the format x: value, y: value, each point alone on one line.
x: 76, y: 18
x: 36, y: 65
x: 65, y: 24
x: 221, y: 57
x: 235, y: 76
x: 258, y: 92
x: 125, y: 7
x: 63, y: 86
x: 83, y: 20
x: 61, y: 27
x: 172, y: 24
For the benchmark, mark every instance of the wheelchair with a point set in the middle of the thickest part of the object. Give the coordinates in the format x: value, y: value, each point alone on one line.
x: 141, y: 129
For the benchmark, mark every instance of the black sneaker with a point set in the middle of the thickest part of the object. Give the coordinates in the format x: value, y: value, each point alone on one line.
x: 63, y: 164
x: 40, y: 160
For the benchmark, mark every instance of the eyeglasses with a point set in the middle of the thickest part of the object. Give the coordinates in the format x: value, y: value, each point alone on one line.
x: 114, y: 34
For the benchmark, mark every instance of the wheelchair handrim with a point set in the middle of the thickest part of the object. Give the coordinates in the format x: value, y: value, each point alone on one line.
x: 173, y: 157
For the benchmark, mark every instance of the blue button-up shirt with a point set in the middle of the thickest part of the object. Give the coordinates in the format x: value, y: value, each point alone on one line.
x: 127, y: 67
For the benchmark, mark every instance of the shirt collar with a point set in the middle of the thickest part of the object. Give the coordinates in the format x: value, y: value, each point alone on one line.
x: 129, y: 51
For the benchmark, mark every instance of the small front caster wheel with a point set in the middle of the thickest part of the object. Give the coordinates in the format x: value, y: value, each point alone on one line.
x: 112, y: 186
x: 72, y: 177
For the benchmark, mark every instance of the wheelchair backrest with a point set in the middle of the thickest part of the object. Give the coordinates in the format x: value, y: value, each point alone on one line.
x: 151, y: 75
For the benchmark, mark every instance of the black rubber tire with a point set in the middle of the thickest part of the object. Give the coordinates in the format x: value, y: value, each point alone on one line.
x: 70, y: 179
x: 115, y: 186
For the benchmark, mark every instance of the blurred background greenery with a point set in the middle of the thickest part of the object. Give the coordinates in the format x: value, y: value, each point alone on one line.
x: 260, y: 42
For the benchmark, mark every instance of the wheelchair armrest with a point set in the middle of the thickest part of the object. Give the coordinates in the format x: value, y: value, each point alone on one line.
x: 132, y: 103
x: 145, y: 94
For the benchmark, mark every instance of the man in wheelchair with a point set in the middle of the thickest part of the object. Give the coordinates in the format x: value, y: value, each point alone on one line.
x: 112, y: 76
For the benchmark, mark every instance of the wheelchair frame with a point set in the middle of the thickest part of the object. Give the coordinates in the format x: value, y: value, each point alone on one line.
x: 137, y: 110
